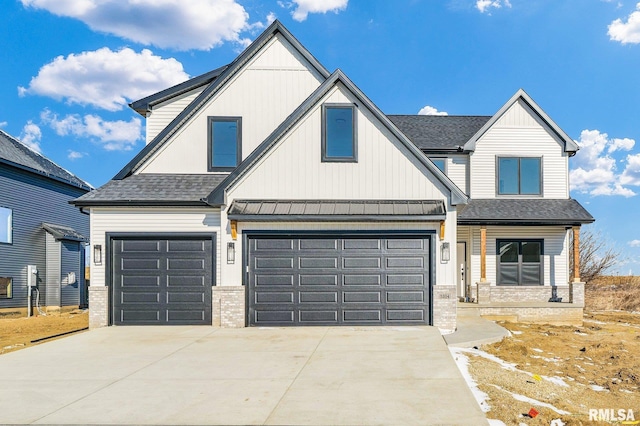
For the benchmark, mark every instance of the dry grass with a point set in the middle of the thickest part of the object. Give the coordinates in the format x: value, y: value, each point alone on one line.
x: 613, y: 293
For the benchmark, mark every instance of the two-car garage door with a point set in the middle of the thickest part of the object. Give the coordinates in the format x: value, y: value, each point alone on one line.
x: 331, y: 280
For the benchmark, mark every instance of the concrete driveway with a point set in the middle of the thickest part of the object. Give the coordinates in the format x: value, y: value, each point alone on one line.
x: 206, y: 375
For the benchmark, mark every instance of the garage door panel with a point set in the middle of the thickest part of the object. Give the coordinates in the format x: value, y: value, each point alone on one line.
x: 318, y: 297
x: 274, y: 297
x: 169, y: 283
x: 274, y: 244
x: 318, y: 244
x: 134, y: 246
x: 318, y: 263
x: 333, y: 281
x: 318, y: 280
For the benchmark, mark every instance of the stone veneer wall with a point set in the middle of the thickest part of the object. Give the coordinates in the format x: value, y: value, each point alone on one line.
x: 98, y: 306
x: 228, y: 306
x: 445, y: 307
x: 486, y: 293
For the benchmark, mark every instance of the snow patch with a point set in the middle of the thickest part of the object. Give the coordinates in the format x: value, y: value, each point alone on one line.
x: 556, y: 380
x: 532, y: 401
x: 537, y: 350
x: 516, y: 332
x: 598, y: 388
x: 462, y: 361
x: 495, y: 422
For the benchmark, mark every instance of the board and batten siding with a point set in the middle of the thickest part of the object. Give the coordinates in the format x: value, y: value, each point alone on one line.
x: 164, y: 113
x: 519, y: 133
x: 34, y: 199
x: 555, y: 257
x: 268, y: 88
x: 150, y: 221
x: 293, y: 168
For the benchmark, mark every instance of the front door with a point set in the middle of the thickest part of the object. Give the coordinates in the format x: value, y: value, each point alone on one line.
x: 461, y: 270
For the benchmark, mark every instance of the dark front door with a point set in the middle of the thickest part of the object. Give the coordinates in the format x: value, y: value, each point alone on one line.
x: 162, y: 281
x: 339, y: 280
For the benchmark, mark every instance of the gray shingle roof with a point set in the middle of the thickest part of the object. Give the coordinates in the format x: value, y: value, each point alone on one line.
x: 336, y: 210
x: 153, y: 189
x: 438, y: 132
x: 60, y: 232
x: 14, y: 153
x: 538, y: 211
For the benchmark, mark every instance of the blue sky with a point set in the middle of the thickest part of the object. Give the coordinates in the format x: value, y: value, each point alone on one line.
x: 68, y: 69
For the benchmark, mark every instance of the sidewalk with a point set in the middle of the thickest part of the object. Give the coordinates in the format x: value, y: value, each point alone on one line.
x: 473, y: 330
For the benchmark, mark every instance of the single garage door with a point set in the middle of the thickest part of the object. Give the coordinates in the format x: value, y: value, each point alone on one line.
x: 319, y: 280
x: 162, y: 281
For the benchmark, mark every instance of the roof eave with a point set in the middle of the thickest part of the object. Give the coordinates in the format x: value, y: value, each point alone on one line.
x: 138, y: 203
x: 47, y: 175
x: 525, y: 222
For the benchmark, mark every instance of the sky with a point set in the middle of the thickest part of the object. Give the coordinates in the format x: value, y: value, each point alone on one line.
x: 69, y: 69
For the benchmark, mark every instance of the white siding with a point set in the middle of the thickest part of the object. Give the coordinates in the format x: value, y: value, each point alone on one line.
x: 164, y: 113
x: 263, y: 93
x: 151, y: 220
x: 519, y: 133
x: 293, y: 169
x: 556, y: 268
x: 457, y: 170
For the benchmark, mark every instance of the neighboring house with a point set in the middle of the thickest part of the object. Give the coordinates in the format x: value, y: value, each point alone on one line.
x: 39, y: 228
x: 272, y: 192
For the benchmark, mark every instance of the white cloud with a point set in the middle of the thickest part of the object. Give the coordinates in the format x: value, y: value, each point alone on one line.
x: 626, y: 32
x: 594, y: 169
x: 634, y: 243
x: 75, y: 155
x: 104, y: 78
x: 178, y: 24
x: 112, y: 135
x: 429, y: 110
x: 305, y: 7
x: 31, y: 136
x: 486, y: 5
x: 3, y: 124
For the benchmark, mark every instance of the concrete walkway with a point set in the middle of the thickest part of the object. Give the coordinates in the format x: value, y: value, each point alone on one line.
x: 205, y: 375
x: 473, y: 330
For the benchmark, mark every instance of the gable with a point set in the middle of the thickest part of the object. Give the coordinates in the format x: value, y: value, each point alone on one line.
x: 164, y: 113
x: 387, y: 167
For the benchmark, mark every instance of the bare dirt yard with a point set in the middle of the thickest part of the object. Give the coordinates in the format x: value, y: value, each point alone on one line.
x: 18, y: 331
x: 564, y: 372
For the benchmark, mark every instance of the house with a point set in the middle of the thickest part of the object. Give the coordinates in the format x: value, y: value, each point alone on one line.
x: 273, y: 192
x: 42, y: 236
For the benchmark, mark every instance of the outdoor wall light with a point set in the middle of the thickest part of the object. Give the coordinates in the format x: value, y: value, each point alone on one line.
x: 97, y: 254
x: 445, y: 252
x: 231, y: 252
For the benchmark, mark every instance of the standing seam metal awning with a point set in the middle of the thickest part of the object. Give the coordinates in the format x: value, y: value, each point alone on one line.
x: 337, y: 210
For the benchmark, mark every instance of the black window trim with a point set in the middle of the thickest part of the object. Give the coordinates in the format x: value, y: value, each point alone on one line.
x: 324, y: 157
x: 519, y: 195
x: 10, y: 230
x: 210, y: 121
x: 519, y: 241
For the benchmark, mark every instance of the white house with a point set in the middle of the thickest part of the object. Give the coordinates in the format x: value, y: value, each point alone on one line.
x: 273, y: 192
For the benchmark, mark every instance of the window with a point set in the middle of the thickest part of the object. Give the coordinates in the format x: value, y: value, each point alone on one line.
x: 519, y: 176
x: 338, y: 133
x: 225, y: 142
x: 440, y: 163
x: 5, y: 288
x: 519, y: 262
x: 6, y: 225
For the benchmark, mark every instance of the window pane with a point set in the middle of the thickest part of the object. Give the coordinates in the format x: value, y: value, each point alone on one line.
x: 508, y: 176
x: 530, y: 274
x: 440, y: 163
x: 531, y: 252
x: 5, y: 288
x: 339, y: 133
x: 224, y: 137
x: 508, y: 274
x: 508, y: 252
x: 5, y: 225
x: 530, y: 176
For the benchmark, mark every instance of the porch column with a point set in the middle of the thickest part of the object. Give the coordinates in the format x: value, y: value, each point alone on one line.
x: 576, y: 254
x: 483, y: 254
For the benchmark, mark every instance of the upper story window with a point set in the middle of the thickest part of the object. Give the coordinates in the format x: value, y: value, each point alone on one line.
x: 519, y: 176
x: 6, y: 225
x: 225, y: 143
x: 440, y: 163
x: 339, y: 133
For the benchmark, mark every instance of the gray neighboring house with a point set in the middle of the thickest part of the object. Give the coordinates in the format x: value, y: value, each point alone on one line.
x: 39, y: 227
